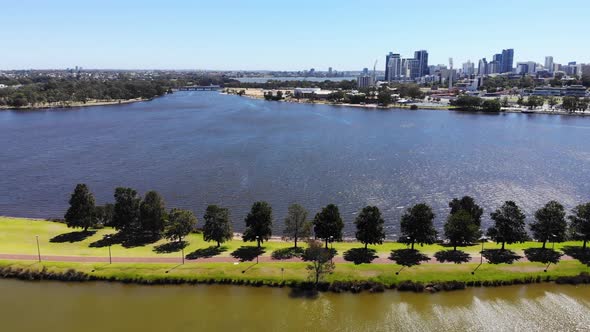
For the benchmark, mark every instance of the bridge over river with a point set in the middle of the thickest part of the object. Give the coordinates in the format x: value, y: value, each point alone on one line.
x: 199, y: 88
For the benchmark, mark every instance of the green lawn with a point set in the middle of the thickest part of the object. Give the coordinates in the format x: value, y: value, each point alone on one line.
x: 18, y: 236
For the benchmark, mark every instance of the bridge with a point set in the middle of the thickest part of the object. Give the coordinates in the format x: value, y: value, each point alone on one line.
x: 199, y: 88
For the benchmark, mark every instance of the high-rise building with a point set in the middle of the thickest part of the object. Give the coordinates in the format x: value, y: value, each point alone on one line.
x: 364, y: 81
x: 414, y: 67
x: 549, y: 63
x: 394, y: 68
x: 422, y: 57
x: 387, y: 56
x: 482, y: 68
x: 507, y: 60
x: 468, y: 68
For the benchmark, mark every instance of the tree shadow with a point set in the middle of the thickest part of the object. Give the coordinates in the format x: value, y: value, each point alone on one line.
x: 140, y: 240
x: 360, y: 255
x: 579, y: 253
x: 72, y: 237
x: 107, y: 240
x: 408, y: 257
x: 206, y: 252
x: 169, y: 247
x: 304, y: 293
x: 247, y: 253
x: 542, y: 255
x: 287, y: 253
x: 307, y: 256
x: 499, y: 256
x: 452, y: 256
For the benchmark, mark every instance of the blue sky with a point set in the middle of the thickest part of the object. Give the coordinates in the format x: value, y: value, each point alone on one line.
x: 290, y: 35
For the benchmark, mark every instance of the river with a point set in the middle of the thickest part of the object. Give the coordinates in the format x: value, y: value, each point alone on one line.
x: 65, y: 307
x: 200, y: 148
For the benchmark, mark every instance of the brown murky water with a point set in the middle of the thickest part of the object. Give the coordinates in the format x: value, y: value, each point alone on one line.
x: 53, y: 306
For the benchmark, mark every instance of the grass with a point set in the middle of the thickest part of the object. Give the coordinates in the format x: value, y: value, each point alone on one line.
x: 18, y: 236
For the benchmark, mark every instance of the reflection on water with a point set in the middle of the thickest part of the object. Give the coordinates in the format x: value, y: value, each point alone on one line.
x: 200, y: 148
x: 116, y: 307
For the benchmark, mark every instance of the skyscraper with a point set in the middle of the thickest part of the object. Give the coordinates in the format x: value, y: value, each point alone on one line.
x: 393, y: 67
x: 468, y: 68
x: 507, y: 60
x: 549, y: 63
x: 422, y: 57
x: 482, y: 69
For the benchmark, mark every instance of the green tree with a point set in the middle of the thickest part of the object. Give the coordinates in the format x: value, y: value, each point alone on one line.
x: 416, y: 225
x: 152, y: 214
x: 552, y: 101
x: 258, y: 223
x: 126, y: 210
x: 491, y: 105
x: 467, y: 203
x: 580, y: 222
x: 320, y: 261
x: 217, y: 225
x: 180, y: 223
x: 384, y: 97
x: 81, y: 211
x: 328, y: 225
x: 509, y: 224
x: 535, y: 101
x: 104, y: 214
x: 570, y: 104
x: 550, y: 223
x: 461, y: 229
x: 369, y: 226
x: 296, y: 224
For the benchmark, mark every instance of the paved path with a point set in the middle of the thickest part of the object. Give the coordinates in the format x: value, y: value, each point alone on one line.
x: 216, y: 259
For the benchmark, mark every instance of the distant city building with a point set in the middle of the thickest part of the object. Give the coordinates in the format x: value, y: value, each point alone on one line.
x: 329, y: 71
x: 507, y: 60
x: 365, y: 81
x: 482, y: 68
x: 422, y: 57
x: 393, y: 68
x: 529, y: 67
x: 549, y: 63
x: 468, y: 68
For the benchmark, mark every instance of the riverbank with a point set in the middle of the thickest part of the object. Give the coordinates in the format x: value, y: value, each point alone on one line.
x: 74, y: 255
x: 89, y: 103
x: 445, y: 106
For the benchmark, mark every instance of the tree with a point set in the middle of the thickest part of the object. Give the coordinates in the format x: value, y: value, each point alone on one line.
x: 384, y: 97
x: 180, y: 223
x: 416, y: 225
x: 535, y: 101
x: 461, y: 229
x: 296, y: 224
x: 320, y: 261
x: 104, y: 214
x: 328, y: 225
x: 81, y: 211
x: 580, y: 222
x: 467, y: 203
x: 369, y: 226
x: 570, y: 104
x: 152, y: 214
x: 550, y: 223
x: 552, y: 101
x: 258, y: 223
x: 126, y: 210
x: 217, y: 225
x: 509, y: 224
x: 492, y: 105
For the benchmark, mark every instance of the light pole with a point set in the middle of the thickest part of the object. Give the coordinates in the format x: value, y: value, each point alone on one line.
x: 182, y: 253
x: 38, y: 249
x: 331, y: 249
x: 553, y: 236
x: 257, y: 249
x: 483, y: 240
x: 108, y: 237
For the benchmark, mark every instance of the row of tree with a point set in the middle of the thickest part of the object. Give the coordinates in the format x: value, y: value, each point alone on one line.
x: 135, y: 216
x: 63, y: 91
x: 474, y: 103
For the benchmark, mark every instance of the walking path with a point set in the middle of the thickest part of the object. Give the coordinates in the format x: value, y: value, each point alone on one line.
x: 217, y: 259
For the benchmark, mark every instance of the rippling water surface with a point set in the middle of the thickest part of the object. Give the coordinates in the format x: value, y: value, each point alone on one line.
x: 115, y: 307
x: 199, y: 148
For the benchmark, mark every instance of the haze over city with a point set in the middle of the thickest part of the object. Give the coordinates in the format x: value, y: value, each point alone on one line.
x: 262, y: 35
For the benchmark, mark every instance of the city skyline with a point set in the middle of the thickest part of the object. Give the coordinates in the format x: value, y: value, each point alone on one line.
x: 265, y: 36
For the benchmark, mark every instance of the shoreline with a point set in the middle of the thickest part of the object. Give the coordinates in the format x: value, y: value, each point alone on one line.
x: 408, y: 107
x: 74, y: 105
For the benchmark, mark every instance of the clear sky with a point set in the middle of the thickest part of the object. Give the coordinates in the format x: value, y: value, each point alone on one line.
x: 289, y: 35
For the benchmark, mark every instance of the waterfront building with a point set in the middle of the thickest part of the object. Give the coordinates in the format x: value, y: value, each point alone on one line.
x: 393, y: 70
x: 568, y: 91
x: 549, y: 63
x: 365, y: 81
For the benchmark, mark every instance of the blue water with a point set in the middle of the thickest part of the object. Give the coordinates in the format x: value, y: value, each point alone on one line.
x: 200, y: 148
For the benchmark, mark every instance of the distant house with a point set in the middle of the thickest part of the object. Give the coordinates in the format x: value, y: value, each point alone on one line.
x: 311, y: 92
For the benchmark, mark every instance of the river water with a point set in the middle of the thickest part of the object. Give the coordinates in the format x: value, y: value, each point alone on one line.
x: 199, y: 148
x: 54, y: 306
